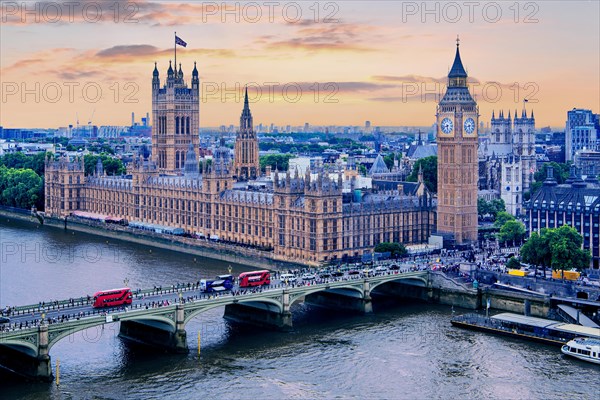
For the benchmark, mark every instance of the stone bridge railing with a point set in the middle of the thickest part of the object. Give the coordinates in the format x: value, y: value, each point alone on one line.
x: 274, y: 304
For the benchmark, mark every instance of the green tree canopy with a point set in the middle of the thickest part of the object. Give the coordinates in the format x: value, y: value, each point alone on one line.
x: 429, y: 165
x: 491, y: 208
x: 389, y: 159
x: 280, y: 162
x: 21, y: 187
x: 112, y: 166
x: 503, y: 217
x: 565, y: 246
x: 536, y: 251
x: 511, y: 231
x: 362, y: 169
x: 397, y: 249
x: 513, y: 263
x: 559, y: 248
x: 35, y: 162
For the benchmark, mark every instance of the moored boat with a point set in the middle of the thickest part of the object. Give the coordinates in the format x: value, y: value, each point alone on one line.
x: 586, y: 349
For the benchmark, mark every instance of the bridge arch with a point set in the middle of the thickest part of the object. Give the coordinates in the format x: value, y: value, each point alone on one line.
x: 160, y: 321
x: 21, y: 346
x: 413, y: 280
x: 264, y: 300
x: 336, y: 289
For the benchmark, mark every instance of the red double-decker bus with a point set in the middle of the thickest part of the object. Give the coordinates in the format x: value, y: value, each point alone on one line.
x: 254, y: 278
x: 112, y: 298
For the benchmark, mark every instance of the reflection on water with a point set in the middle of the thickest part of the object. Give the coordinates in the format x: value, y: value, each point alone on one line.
x: 402, y: 351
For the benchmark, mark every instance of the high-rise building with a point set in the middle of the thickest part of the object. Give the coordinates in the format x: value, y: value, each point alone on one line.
x: 582, y: 132
x: 175, y: 113
x: 246, y: 164
x: 458, y: 123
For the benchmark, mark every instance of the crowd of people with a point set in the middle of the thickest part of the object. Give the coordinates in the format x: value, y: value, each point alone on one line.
x: 448, y: 262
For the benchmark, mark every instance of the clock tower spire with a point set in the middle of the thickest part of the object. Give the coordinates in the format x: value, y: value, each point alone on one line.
x: 457, y: 124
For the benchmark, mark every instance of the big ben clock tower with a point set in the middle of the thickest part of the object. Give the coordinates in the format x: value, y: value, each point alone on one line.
x: 457, y: 125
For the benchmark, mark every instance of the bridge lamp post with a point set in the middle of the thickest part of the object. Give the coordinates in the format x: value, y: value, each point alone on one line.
x: 126, y: 282
x: 180, y: 298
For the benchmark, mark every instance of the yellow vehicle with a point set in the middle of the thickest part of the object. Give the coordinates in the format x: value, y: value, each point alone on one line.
x: 517, y: 272
x: 568, y: 275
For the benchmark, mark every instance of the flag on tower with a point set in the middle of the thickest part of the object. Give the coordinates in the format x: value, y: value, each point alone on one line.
x: 180, y: 41
x: 525, y: 101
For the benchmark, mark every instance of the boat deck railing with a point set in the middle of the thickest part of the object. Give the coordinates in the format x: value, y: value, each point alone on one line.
x: 508, y: 327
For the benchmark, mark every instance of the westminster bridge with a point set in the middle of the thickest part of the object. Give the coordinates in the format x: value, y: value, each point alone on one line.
x: 157, y: 317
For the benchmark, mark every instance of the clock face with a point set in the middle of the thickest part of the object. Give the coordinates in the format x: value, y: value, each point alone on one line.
x: 447, y: 125
x: 469, y: 126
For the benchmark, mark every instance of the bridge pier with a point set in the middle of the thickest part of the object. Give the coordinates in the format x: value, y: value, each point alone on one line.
x: 263, y: 315
x: 151, y: 333
x: 43, y: 369
x: 345, y: 300
x: 34, y: 367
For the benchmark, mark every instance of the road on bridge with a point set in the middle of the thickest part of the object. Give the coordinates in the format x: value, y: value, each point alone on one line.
x: 26, y: 317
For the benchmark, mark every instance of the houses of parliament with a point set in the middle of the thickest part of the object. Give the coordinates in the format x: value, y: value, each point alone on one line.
x: 309, y: 217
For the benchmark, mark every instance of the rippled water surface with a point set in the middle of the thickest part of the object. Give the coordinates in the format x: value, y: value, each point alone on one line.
x: 403, y: 350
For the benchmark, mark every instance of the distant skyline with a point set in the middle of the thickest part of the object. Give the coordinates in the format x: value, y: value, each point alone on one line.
x: 372, y: 61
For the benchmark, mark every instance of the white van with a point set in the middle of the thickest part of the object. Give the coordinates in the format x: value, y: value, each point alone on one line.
x: 289, y: 278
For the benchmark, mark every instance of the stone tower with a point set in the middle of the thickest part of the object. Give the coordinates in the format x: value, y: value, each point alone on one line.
x: 246, y: 165
x: 457, y: 130
x: 64, y: 184
x: 176, y: 117
x: 524, y: 146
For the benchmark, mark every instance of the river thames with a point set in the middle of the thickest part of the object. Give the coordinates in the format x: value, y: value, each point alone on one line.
x: 404, y: 350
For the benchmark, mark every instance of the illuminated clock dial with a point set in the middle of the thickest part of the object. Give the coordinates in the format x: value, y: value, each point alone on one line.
x: 469, y: 126
x: 447, y: 125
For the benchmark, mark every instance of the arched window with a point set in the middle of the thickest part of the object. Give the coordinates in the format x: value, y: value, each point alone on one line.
x: 177, y: 128
x: 188, y: 125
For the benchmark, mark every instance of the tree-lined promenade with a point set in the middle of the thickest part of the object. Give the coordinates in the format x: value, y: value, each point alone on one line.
x: 22, y: 176
x: 557, y: 248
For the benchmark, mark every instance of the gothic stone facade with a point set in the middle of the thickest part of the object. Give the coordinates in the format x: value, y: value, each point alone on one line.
x: 303, y: 219
x: 175, y: 119
x: 457, y: 132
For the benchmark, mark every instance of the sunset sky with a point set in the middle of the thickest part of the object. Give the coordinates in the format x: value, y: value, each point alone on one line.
x: 371, y: 60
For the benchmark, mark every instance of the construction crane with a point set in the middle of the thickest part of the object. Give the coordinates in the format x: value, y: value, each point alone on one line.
x: 92, y: 117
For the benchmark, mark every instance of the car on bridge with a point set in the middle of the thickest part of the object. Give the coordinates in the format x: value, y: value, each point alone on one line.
x: 368, y: 271
x: 394, y: 267
x: 337, y: 274
x: 288, y: 278
x: 309, y: 277
x: 325, y: 275
x: 4, y: 320
x: 381, y: 268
